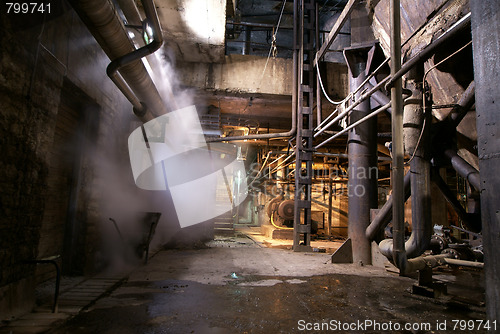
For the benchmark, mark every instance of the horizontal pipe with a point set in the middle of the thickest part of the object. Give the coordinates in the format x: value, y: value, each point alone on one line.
x: 464, y: 263
x: 363, y: 97
x: 425, y: 262
x: 270, y: 26
x: 364, y: 119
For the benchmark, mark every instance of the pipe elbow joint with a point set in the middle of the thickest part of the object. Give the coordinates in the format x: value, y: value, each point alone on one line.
x: 142, y: 111
x: 385, y: 247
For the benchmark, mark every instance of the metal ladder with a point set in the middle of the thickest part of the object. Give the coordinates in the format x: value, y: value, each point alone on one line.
x: 304, y: 139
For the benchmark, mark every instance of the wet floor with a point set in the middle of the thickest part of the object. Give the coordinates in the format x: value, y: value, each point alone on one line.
x: 247, y: 289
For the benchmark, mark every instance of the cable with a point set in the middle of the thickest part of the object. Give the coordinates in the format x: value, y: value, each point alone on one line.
x: 279, y: 227
x: 326, y: 95
x: 271, y: 48
x: 423, y: 98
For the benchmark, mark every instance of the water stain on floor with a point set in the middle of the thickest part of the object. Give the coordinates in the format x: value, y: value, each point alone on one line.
x: 283, y: 305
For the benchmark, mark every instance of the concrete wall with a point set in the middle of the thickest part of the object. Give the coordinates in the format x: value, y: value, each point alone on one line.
x: 41, y: 60
x: 240, y: 74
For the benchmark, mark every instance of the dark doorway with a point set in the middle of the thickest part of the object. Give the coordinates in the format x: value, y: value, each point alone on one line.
x: 64, y: 229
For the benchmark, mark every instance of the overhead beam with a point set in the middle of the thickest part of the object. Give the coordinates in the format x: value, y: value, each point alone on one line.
x: 335, y: 31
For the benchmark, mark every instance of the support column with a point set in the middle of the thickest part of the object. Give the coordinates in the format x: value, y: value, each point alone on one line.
x: 362, y: 150
x: 304, y: 137
x: 485, y: 26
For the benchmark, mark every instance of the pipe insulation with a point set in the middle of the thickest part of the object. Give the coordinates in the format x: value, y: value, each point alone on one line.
x: 399, y: 252
x: 109, y: 31
x: 416, y: 144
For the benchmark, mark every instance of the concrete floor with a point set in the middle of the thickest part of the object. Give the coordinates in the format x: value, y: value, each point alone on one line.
x: 235, y: 285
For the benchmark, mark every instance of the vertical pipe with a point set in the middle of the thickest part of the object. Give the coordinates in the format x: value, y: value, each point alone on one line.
x: 330, y: 205
x: 295, y: 68
x: 319, y: 115
x: 485, y: 41
x: 248, y: 36
x: 399, y: 252
x: 362, y: 151
x: 415, y: 143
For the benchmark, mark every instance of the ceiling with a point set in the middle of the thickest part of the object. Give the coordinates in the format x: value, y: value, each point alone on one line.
x: 207, y: 31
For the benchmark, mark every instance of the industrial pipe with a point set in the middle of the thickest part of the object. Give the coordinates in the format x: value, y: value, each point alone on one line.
x: 109, y: 31
x: 399, y: 252
x: 319, y: 108
x: 463, y: 168
x: 384, y: 216
x: 463, y: 106
x: 136, y: 55
x: 427, y: 52
x: 415, y: 134
x: 416, y: 142
x: 131, y: 12
x: 270, y: 26
x: 464, y: 263
x: 361, y: 98
x: 397, y: 244
x: 378, y: 96
x: 364, y: 119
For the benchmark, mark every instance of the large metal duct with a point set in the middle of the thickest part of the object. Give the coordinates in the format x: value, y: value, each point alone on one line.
x: 108, y: 29
x: 362, y: 150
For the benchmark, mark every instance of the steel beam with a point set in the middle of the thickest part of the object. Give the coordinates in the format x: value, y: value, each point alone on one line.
x: 335, y: 30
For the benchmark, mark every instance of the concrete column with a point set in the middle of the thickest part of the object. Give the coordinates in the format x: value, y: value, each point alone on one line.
x: 485, y: 24
x: 362, y: 150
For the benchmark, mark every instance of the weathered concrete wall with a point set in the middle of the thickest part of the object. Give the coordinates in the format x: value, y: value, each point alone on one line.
x: 37, y: 59
x: 196, y: 29
x: 243, y: 75
x: 240, y: 74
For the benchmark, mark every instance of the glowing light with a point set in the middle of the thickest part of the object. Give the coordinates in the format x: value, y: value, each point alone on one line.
x: 206, y: 19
